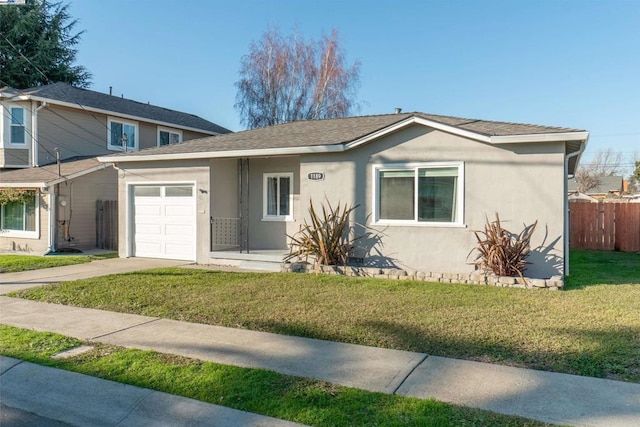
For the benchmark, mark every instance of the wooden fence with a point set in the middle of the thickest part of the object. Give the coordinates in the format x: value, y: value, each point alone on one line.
x: 605, y: 226
x: 107, y: 224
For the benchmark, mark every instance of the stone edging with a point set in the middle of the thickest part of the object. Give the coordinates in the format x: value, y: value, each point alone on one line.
x: 476, y: 278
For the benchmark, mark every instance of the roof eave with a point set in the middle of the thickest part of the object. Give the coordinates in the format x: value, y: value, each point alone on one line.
x: 262, y: 152
x: 541, y: 137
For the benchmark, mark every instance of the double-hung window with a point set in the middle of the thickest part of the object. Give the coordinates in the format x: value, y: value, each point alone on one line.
x: 18, y: 129
x: 419, y: 194
x: 277, y: 196
x: 123, y: 136
x: 168, y: 137
x: 19, y: 218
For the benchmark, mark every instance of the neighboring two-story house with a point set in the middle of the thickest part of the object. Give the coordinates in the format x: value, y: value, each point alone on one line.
x: 55, y: 193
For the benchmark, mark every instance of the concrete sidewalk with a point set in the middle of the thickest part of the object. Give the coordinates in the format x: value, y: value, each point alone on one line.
x: 10, y: 282
x: 545, y: 396
x: 59, y: 396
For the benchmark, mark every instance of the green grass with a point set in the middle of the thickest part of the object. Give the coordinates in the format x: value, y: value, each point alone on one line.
x: 599, y: 268
x: 16, y: 263
x: 591, y: 330
x: 264, y: 392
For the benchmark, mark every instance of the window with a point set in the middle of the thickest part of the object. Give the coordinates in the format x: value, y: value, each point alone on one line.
x: 167, y: 137
x: 123, y: 136
x: 20, y: 218
x: 277, y: 196
x: 17, y: 126
x: 429, y: 193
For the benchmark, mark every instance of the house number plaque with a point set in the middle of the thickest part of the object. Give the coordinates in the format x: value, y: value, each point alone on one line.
x: 316, y: 176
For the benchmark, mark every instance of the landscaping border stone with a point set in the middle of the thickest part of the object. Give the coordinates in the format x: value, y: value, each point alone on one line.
x: 475, y: 278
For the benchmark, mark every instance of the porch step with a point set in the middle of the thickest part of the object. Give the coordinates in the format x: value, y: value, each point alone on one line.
x: 273, y: 266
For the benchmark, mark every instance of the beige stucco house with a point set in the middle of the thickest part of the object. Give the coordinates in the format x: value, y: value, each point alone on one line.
x: 422, y: 183
x: 49, y: 139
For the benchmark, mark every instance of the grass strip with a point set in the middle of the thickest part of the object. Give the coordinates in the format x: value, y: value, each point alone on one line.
x: 259, y: 391
x: 17, y: 263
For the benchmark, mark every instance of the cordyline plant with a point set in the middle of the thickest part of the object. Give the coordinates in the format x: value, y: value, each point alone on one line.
x: 501, y: 251
x: 326, y: 238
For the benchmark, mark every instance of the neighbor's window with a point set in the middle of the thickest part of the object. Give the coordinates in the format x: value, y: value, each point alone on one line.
x: 425, y: 193
x: 122, y: 135
x: 19, y: 216
x: 17, y: 126
x: 278, y: 189
x: 167, y: 137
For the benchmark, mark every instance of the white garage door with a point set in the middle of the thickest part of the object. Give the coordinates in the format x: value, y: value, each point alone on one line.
x: 164, y: 221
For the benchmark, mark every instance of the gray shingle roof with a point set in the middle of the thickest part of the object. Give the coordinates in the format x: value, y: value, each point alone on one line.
x: 88, y: 98
x: 606, y: 184
x: 48, y: 173
x: 306, y: 133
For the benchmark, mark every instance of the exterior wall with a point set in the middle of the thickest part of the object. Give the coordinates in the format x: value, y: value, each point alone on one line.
x: 522, y: 182
x: 79, y: 214
x: 81, y: 133
x: 34, y: 246
x: 195, y: 171
x: 14, y: 157
x: 73, y: 132
x: 265, y: 234
x: 224, y: 188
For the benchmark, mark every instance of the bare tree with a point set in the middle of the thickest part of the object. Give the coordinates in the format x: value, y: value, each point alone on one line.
x: 284, y: 79
x: 605, y: 163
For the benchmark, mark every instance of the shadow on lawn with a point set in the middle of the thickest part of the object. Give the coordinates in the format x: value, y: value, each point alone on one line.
x: 609, y: 359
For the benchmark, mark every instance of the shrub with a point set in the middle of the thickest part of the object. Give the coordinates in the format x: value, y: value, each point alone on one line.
x: 501, y: 251
x: 327, y: 238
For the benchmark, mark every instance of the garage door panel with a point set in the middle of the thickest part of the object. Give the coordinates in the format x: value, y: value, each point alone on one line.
x: 178, y: 251
x: 148, y: 229
x: 179, y: 211
x: 178, y: 230
x: 148, y: 210
x: 165, y: 226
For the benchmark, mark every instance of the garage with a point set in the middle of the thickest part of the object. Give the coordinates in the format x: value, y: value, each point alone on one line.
x: 164, y: 221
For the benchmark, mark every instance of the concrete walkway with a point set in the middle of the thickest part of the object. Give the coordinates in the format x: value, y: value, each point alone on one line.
x: 545, y: 396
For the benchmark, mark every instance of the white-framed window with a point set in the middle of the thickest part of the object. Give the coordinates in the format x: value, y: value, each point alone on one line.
x: 17, y: 126
x: 122, y: 135
x: 20, y: 219
x: 277, y: 196
x: 419, y: 194
x: 168, y: 136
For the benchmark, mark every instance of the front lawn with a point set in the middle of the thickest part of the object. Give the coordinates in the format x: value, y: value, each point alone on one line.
x: 591, y: 330
x: 16, y: 263
x: 255, y: 390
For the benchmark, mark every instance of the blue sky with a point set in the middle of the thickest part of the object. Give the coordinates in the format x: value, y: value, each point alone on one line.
x: 573, y: 63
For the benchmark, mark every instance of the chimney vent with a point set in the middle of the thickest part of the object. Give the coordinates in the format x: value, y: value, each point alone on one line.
x: 110, y: 90
x: 398, y: 110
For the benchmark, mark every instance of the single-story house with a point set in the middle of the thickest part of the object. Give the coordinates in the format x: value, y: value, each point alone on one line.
x: 421, y: 182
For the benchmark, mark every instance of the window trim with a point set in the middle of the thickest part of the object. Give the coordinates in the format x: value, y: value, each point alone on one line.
x: 265, y: 177
x: 170, y: 131
x: 112, y: 147
x: 21, y: 233
x: 23, y: 126
x: 377, y: 168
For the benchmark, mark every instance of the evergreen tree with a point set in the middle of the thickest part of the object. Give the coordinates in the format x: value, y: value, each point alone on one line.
x: 37, y: 46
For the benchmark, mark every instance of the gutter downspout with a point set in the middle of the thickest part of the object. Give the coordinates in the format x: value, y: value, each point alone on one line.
x: 578, y: 153
x: 34, y: 133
